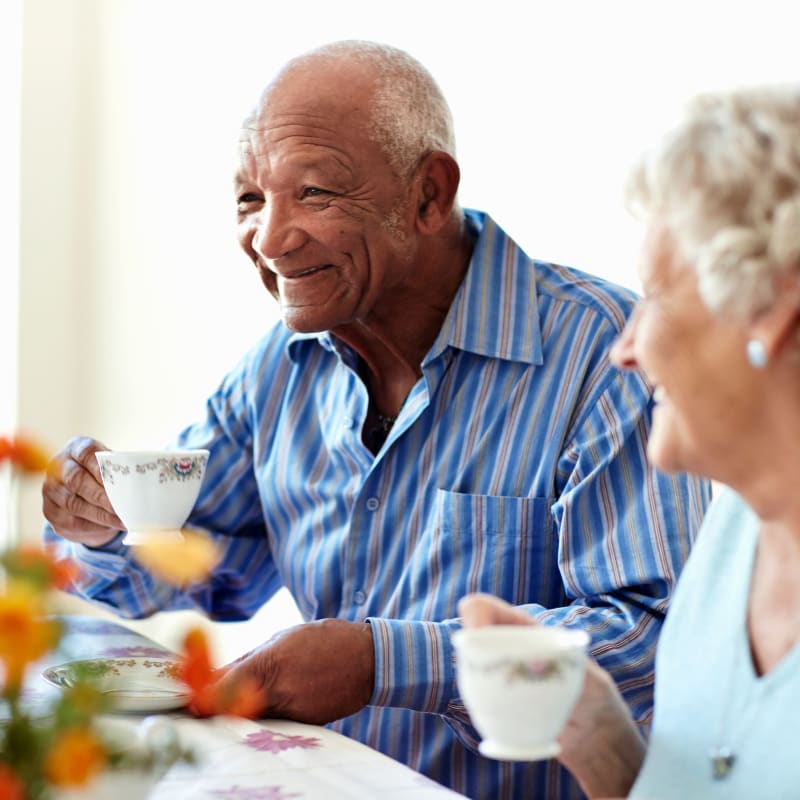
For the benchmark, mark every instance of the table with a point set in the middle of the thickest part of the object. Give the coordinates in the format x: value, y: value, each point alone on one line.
x: 242, y: 759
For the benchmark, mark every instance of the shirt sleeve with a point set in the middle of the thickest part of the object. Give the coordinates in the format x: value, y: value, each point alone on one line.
x: 624, y: 533
x: 228, y: 509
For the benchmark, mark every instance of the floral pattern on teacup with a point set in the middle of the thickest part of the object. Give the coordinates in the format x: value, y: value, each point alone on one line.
x: 533, y: 670
x: 177, y: 468
x: 527, y: 670
x: 108, y: 468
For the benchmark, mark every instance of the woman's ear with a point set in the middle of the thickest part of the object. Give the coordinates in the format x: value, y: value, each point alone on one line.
x: 778, y: 327
x: 436, y: 186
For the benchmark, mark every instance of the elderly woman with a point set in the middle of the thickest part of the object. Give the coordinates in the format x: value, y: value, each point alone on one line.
x: 718, y: 334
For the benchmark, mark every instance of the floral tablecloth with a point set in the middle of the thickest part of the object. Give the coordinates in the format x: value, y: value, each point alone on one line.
x: 241, y: 759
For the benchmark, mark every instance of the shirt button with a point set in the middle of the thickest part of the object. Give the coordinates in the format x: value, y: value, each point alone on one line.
x: 359, y: 597
x: 373, y: 503
x: 349, y: 422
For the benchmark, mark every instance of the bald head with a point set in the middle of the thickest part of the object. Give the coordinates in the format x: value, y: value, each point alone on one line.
x: 376, y: 86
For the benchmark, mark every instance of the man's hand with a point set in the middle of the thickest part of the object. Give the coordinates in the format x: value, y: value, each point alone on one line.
x: 74, y: 500
x: 316, y: 672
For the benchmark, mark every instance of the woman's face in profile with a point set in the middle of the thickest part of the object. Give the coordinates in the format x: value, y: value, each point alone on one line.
x: 696, y: 362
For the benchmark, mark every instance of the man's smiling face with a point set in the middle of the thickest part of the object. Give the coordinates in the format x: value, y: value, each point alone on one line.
x: 321, y: 213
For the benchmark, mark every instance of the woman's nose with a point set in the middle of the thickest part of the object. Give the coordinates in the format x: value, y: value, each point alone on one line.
x: 622, y: 354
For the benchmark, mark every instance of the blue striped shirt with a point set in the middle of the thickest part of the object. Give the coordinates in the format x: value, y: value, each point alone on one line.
x: 516, y: 467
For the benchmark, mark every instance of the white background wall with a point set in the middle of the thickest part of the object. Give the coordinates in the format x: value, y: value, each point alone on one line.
x: 133, y: 298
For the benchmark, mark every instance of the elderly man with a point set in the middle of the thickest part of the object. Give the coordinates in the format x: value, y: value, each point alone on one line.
x: 436, y: 415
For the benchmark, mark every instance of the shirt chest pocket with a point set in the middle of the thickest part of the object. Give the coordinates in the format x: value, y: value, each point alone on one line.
x: 485, y: 543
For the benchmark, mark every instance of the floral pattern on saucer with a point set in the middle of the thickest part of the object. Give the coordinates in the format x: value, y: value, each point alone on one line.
x: 133, y: 684
x: 137, y: 651
x: 118, y: 667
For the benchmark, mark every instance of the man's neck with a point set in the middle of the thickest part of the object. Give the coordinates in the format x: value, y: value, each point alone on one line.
x: 394, y: 339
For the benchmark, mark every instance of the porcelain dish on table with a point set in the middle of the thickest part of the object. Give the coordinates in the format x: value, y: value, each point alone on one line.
x: 133, y: 684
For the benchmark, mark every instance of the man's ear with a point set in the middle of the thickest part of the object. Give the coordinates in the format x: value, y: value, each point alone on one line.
x: 436, y: 185
x: 777, y: 327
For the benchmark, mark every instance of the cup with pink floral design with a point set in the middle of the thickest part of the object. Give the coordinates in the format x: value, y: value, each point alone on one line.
x: 152, y: 492
x: 519, y: 684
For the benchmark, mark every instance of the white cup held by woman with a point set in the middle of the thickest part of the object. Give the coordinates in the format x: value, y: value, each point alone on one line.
x: 519, y: 684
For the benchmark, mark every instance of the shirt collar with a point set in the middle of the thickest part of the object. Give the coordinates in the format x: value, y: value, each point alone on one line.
x: 495, y: 312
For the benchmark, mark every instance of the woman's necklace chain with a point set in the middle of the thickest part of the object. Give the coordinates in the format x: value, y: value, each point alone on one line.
x: 723, y: 755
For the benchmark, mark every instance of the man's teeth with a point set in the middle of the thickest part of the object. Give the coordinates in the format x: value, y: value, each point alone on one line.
x: 308, y: 271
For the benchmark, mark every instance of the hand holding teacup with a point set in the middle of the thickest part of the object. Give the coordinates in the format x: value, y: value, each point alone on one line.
x: 83, y: 507
x: 597, y: 713
x: 74, y: 500
x: 519, y: 681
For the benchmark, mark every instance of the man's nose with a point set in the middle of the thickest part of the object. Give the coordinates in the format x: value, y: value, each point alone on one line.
x: 277, y: 231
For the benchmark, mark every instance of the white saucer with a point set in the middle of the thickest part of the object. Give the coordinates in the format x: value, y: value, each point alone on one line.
x: 502, y: 752
x: 164, y: 535
x: 132, y: 684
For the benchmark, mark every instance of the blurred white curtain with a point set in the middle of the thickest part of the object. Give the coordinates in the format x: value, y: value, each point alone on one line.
x: 10, y: 87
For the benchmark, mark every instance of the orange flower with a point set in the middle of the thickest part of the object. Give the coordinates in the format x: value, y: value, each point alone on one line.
x: 76, y: 756
x: 210, y: 695
x: 245, y: 699
x: 25, y: 636
x: 180, y: 563
x: 11, y: 787
x: 31, y: 563
x: 195, y: 666
x: 23, y: 453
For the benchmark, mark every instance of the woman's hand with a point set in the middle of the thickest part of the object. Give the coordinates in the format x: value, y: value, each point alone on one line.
x: 600, y: 744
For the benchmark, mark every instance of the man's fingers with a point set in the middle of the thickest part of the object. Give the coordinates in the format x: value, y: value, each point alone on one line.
x: 76, y: 519
x: 80, y: 531
x: 82, y: 482
x: 83, y: 452
x: 73, y: 501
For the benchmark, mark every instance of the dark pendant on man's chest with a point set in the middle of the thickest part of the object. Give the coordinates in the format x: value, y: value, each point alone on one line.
x: 376, y: 430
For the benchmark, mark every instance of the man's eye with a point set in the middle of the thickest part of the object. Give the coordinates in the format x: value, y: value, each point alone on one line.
x: 248, y: 197
x: 312, y: 191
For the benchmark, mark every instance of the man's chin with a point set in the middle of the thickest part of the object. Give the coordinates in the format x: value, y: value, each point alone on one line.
x: 300, y: 326
x: 305, y: 319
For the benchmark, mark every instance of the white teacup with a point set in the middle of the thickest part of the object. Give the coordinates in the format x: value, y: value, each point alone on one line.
x: 520, y: 684
x: 152, y: 492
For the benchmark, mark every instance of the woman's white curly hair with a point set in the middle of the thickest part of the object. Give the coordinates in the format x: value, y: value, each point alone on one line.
x: 726, y: 182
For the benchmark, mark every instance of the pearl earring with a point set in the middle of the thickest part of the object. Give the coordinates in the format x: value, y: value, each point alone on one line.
x: 757, y: 354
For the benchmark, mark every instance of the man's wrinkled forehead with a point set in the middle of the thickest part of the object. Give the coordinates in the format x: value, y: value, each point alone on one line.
x: 321, y: 84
